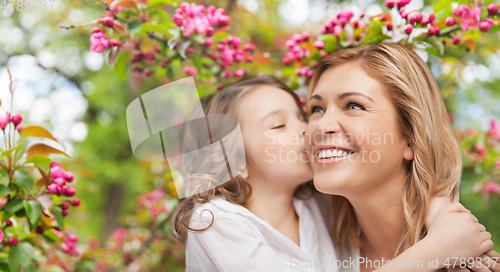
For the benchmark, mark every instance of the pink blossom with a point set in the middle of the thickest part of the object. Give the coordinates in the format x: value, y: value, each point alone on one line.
x: 236, y: 42
x: 319, y: 44
x: 492, y: 187
x: 470, y: 17
x: 450, y: 21
x: 227, y: 56
x: 178, y: 19
x: 239, y: 72
x: 4, y: 120
x: 249, y: 47
x: 98, y: 42
x: 480, y: 149
x: 495, y: 128
x: 492, y: 9
x: 486, y: 24
x: 389, y: 3
x: 190, y: 70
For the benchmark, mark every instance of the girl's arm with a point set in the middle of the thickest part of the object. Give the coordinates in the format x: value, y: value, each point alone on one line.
x: 455, y: 234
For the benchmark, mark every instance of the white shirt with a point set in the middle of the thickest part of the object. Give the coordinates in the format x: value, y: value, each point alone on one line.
x: 238, y: 240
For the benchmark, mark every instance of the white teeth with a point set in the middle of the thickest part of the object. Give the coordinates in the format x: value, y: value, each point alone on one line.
x: 332, y: 154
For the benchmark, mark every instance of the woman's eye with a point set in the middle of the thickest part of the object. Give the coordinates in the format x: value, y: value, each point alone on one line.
x: 317, y: 109
x: 278, y: 126
x: 354, y: 106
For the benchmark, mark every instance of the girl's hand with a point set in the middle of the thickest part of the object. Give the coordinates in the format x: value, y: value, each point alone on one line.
x: 456, y: 234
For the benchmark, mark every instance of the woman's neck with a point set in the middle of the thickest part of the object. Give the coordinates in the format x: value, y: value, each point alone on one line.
x: 381, y: 219
x: 276, y: 208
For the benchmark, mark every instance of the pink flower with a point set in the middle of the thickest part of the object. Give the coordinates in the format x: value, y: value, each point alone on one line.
x: 480, y: 149
x: 486, y: 24
x: 492, y: 9
x: 470, y: 17
x: 495, y: 128
x: 408, y: 29
x: 4, y: 120
x: 190, y: 70
x: 178, y: 19
x: 492, y: 187
x: 98, y: 42
x: 239, y: 72
x: 236, y: 42
x: 450, y: 21
x: 113, y: 42
x: 389, y: 3
x: 249, y: 47
x: 319, y: 44
x: 209, y: 42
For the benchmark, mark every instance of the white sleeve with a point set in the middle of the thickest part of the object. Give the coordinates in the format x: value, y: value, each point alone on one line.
x: 230, y: 244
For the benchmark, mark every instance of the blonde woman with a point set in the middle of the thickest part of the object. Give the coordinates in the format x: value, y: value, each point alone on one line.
x: 379, y: 140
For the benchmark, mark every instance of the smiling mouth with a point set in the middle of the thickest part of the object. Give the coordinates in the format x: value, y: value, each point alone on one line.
x: 332, y: 154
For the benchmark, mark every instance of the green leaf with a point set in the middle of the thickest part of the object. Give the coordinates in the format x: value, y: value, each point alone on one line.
x: 159, y: 14
x: 134, y: 26
x: 170, y: 72
x: 20, y: 256
x: 155, y: 3
x: 8, y: 152
x: 34, y: 212
x: 39, y: 160
x: 24, y: 179
x: 436, y: 44
x: 443, y: 14
x: 122, y: 65
x: 4, y: 190
x: 442, y: 4
x: 59, y: 217
x: 220, y: 36
x: 52, y: 236
x: 432, y: 51
x: 150, y: 27
x: 197, y: 61
x: 13, y: 206
x: 4, y: 265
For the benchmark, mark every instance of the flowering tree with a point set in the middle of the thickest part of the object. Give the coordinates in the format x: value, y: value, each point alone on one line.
x: 35, y: 197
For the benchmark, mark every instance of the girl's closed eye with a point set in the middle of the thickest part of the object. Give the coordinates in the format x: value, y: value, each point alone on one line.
x: 278, y: 126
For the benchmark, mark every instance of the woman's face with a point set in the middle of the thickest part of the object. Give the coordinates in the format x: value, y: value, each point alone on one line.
x: 353, y: 140
x: 272, y: 126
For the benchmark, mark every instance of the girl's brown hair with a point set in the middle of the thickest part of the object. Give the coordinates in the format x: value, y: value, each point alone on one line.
x: 237, y: 190
x: 422, y: 119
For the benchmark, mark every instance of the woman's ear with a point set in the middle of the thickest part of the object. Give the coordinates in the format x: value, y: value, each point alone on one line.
x: 408, y: 153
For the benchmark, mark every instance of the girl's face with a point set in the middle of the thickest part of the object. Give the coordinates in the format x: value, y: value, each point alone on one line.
x: 272, y: 126
x: 353, y: 140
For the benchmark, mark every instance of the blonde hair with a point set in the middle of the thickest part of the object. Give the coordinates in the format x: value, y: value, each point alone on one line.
x: 423, y: 121
x: 237, y: 190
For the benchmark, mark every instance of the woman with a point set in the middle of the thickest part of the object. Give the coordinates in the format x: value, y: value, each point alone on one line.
x: 379, y: 140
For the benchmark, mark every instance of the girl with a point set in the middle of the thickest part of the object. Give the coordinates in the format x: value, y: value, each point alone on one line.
x: 267, y: 218
x: 379, y: 140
